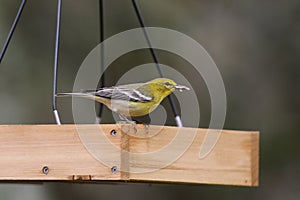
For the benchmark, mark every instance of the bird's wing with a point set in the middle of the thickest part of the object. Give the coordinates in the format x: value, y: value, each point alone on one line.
x: 135, y: 94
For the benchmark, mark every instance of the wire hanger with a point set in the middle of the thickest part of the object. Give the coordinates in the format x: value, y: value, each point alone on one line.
x: 12, y: 29
x: 102, y: 82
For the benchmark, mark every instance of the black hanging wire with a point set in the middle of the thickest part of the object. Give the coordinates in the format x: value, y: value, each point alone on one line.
x: 154, y: 56
x: 141, y: 21
x: 12, y: 29
x: 55, y: 112
x: 101, y: 31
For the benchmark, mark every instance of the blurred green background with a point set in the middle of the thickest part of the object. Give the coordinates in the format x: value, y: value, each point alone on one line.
x: 255, y: 44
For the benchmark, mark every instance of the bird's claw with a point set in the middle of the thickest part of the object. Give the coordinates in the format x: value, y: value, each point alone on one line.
x: 124, y: 126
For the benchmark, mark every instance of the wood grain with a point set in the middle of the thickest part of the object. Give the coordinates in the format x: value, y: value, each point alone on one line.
x: 78, y: 153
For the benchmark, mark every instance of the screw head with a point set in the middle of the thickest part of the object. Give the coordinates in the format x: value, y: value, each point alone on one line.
x: 114, y: 169
x: 114, y: 132
x: 45, y: 170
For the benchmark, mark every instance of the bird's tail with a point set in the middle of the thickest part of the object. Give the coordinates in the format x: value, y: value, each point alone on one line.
x: 75, y: 94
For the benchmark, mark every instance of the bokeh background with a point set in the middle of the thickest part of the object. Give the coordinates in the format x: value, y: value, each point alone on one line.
x: 255, y: 44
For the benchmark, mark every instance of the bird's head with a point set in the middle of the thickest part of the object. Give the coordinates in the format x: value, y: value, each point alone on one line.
x: 167, y: 86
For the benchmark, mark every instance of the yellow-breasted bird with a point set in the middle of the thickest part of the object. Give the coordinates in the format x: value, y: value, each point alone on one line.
x: 133, y: 100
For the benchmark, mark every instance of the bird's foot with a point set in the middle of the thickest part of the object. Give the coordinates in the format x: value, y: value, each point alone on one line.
x: 130, y: 127
x: 125, y: 120
x: 125, y: 126
x: 134, y: 124
x: 146, y: 126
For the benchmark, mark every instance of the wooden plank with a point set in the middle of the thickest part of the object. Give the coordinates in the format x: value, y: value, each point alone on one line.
x: 160, y: 154
x: 26, y: 149
x: 233, y: 161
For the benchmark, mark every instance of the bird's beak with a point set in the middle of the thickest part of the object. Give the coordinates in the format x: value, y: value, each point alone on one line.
x: 181, y: 87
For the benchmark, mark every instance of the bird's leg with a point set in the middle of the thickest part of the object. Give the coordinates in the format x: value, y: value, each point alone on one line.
x: 126, y: 120
x: 145, y: 124
x: 134, y: 124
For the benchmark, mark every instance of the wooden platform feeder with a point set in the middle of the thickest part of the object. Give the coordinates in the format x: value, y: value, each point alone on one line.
x: 60, y: 153
x: 57, y: 153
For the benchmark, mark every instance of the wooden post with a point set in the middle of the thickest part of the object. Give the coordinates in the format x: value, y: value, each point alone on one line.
x: 52, y: 152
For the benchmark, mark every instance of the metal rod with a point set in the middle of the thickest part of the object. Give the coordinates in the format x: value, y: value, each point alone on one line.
x: 154, y: 56
x: 12, y: 29
x: 101, y: 31
x: 55, y: 112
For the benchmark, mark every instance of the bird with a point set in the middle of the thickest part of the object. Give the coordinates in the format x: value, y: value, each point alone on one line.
x: 131, y: 100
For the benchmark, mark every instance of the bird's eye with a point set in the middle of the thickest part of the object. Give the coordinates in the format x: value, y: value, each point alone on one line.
x: 167, y: 83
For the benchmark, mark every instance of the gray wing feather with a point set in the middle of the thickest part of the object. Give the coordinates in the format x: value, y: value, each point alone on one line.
x: 121, y: 93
